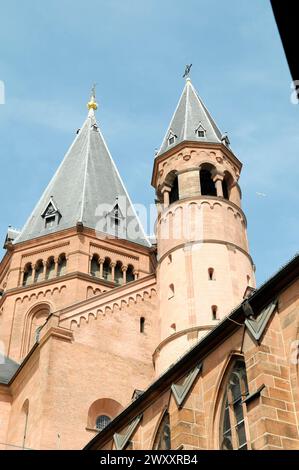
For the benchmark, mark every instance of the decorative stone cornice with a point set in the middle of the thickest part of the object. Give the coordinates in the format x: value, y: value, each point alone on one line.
x: 45, y: 250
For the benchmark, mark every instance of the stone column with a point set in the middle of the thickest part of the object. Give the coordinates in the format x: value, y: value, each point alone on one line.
x: 21, y: 278
x: 124, y: 270
x: 166, y: 191
x: 112, y: 266
x: 33, y: 275
x: 44, y: 264
x: 101, y: 263
x: 218, y: 178
x: 135, y: 275
x: 56, y: 267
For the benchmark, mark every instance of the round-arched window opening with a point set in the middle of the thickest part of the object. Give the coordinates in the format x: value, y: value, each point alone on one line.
x: 102, y: 421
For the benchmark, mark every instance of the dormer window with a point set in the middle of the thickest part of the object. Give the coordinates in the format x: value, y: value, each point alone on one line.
x: 171, y: 138
x: 115, y: 216
x: 50, y: 221
x: 51, y: 215
x: 200, y: 131
x: 116, y: 222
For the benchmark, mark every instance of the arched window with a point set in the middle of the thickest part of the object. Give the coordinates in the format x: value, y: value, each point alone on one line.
x: 50, y: 268
x: 102, y: 421
x: 211, y: 273
x: 61, y: 265
x: 130, y: 273
x: 227, y: 184
x: 35, y: 319
x: 232, y: 426
x: 107, y: 269
x: 163, y: 437
x: 27, y: 278
x: 225, y: 189
x: 207, y: 184
x: 142, y: 323
x: 101, y: 412
x: 39, y: 270
x: 118, y: 274
x: 94, y: 266
x: 174, y: 193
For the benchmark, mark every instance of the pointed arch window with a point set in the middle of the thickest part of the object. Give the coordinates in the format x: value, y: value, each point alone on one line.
x: 232, y: 426
x: 163, y: 436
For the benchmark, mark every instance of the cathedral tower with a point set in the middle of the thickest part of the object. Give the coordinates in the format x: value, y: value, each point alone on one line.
x: 82, y: 239
x: 204, y: 266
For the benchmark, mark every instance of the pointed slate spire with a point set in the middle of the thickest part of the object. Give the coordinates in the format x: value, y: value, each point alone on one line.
x: 85, y: 186
x: 191, y: 121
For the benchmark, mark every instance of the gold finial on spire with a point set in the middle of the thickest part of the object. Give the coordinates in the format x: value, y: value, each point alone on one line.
x: 92, y: 104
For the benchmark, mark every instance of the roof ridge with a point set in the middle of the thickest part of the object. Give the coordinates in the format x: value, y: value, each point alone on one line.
x: 85, y: 171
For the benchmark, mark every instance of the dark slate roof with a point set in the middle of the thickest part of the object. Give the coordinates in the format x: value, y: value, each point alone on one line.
x: 86, y: 178
x: 7, y: 369
x: 190, y: 115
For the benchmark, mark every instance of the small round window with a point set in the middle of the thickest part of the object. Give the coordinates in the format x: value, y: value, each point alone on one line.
x: 102, y: 421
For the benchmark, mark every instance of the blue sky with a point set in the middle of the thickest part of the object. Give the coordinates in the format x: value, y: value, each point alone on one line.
x: 136, y: 50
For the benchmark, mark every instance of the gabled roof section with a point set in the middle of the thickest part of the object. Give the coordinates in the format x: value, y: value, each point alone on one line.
x: 50, y: 209
x: 121, y: 440
x: 190, y: 113
x: 256, y: 325
x: 85, y: 185
x: 180, y: 391
x: 8, y: 368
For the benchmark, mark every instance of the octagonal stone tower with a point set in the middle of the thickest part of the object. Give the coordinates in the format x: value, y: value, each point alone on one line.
x: 204, y: 266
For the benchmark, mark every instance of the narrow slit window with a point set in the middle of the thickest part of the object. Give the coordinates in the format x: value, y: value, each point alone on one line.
x: 211, y: 274
x: 214, y: 312
x: 142, y: 324
x: 171, y: 291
